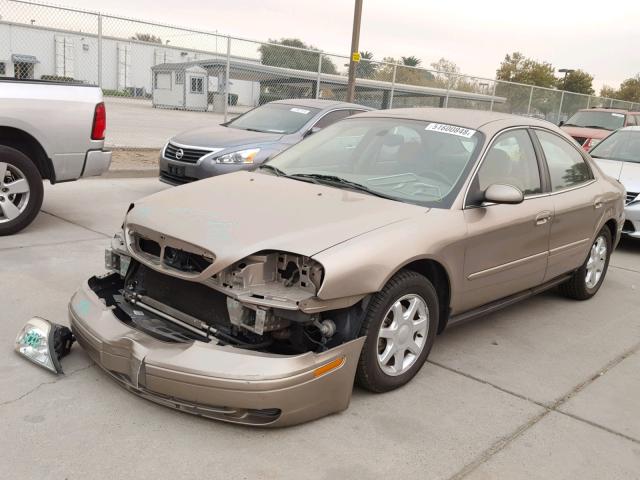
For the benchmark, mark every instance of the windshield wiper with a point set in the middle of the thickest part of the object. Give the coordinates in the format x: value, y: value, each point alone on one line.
x: 337, y: 181
x: 596, y: 126
x: 255, y: 130
x: 271, y: 168
x: 570, y: 125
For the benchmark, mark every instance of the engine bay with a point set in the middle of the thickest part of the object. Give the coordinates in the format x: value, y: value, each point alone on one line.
x: 251, y: 305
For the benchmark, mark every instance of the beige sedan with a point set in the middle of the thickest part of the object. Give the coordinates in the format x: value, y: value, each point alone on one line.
x: 258, y: 297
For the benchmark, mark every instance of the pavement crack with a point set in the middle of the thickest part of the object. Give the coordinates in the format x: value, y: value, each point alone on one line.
x: 51, y: 382
x: 52, y: 244
x: 75, y: 223
x: 503, y: 442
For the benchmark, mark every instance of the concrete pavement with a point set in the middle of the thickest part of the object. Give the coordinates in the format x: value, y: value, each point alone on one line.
x: 546, y: 389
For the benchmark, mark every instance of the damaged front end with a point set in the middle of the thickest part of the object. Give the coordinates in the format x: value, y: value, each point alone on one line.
x: 251, y: 341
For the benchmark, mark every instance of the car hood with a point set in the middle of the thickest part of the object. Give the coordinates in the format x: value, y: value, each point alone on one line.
x: 218, y: 136
x: 628, y: 173
x: 596, y: 133
x: 238, y: 214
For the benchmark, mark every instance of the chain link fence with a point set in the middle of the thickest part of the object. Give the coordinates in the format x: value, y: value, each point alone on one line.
x: 183, y: 68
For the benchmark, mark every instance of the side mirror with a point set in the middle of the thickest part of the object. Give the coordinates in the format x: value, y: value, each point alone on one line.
x: 561, y: 123
x: 312, y: 130
x: 499, y: 193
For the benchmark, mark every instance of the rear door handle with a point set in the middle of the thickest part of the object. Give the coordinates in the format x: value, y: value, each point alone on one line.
x: 542, y: 218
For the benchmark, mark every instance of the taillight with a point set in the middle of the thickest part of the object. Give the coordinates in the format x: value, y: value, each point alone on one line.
x: 590, y: 143
x: 99, y: 122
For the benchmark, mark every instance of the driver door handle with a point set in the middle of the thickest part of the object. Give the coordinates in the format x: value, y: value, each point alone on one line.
x: 543, y: 217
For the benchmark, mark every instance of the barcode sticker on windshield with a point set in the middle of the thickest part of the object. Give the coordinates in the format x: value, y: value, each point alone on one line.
x: 300, y: 110
x: 617, y: 115
x: 450, y: 129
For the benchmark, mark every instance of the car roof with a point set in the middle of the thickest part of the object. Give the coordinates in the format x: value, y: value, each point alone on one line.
x: 458, y: 116
x: 321, y: 103
x: 602, y: 109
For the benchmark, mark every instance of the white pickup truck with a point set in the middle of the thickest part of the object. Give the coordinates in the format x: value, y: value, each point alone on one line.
x: 48, y: 131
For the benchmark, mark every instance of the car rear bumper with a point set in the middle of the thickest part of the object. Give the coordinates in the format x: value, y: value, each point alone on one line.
x: 219, y: 382
x: 96, y: 163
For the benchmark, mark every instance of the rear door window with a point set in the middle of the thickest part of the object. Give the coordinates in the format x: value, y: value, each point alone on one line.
x: 332, y: 117
x: 567, y: 167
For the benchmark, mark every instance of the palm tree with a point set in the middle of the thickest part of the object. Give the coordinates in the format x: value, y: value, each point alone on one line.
x: 411, y: 61
x: 366, y: 68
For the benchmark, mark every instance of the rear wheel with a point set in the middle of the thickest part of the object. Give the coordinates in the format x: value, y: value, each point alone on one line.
x: 21, y: 191
x: 400, y: 327
x: 586, y: 281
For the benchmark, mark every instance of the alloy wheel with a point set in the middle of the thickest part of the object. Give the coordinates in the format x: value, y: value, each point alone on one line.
x: 596, y: 262
x: 14, y: 192
x: 403, y: 334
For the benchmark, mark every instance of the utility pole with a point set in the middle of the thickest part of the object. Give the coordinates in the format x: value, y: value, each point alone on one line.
x: 355, y: 52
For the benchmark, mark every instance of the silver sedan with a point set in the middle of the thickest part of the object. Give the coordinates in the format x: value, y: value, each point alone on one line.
x: 619, y: 157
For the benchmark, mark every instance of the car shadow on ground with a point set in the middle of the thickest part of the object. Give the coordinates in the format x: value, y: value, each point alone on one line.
x: 631, y: 245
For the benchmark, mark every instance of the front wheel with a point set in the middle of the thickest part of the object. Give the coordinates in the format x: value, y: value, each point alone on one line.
x: 400, y: 327
x: 586, y: 281
x: 21, y: 191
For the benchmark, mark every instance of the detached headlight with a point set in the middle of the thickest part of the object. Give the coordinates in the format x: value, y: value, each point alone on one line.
x: 44, y: 343
x: 243, y: 156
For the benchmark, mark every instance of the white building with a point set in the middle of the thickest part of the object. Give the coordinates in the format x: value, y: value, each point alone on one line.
x: 30, y: 51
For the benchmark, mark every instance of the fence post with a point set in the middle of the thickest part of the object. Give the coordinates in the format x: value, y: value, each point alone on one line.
x: 560, y: 109
x: 319, y: 73
x: 100, y: 50
x: 446, y: 98
x: 589, y: 101
x: 610, y: 102
x: 226, y: 79
x: 393, y: 85
x: 530, y: 99
x: 493, y: 95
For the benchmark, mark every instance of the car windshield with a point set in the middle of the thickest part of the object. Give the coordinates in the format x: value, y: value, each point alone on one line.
x: 596, y: 119
x: 623, y: 146
x: 412, y: 161
x: 275, y: 118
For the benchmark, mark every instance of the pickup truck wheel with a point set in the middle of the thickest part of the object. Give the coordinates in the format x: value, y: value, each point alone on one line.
x: 21, y: 191
x: 400, y: 327
x: 586, y: 281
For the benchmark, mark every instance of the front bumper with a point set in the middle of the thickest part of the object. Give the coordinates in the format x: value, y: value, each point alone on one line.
x: 96, y: 163
x: 219, y: 382
x: 631, y: 226
x: 177, y: 173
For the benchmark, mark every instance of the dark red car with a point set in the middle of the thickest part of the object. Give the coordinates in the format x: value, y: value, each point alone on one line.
x: 590, y: 125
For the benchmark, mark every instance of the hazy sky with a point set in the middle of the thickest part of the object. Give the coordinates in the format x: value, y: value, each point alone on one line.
x: 475, y: 34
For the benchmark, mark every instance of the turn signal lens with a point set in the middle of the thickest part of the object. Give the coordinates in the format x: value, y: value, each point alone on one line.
x: 327, y: 367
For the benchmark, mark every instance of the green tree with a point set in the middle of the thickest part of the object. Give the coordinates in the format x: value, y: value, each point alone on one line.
x: 411, y: 61
x: 147, y: 37
x: 278, y: 55
x: 608, y: 92
x: 404, y: 74
x: 577, y: 81
x: 517, y: 68
x: 630, y: 89
x: 365, y: 68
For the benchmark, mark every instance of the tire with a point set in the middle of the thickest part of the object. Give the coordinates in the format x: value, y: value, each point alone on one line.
x: 377, y: 369
x: 578, y: 286
x: 18, y: 209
